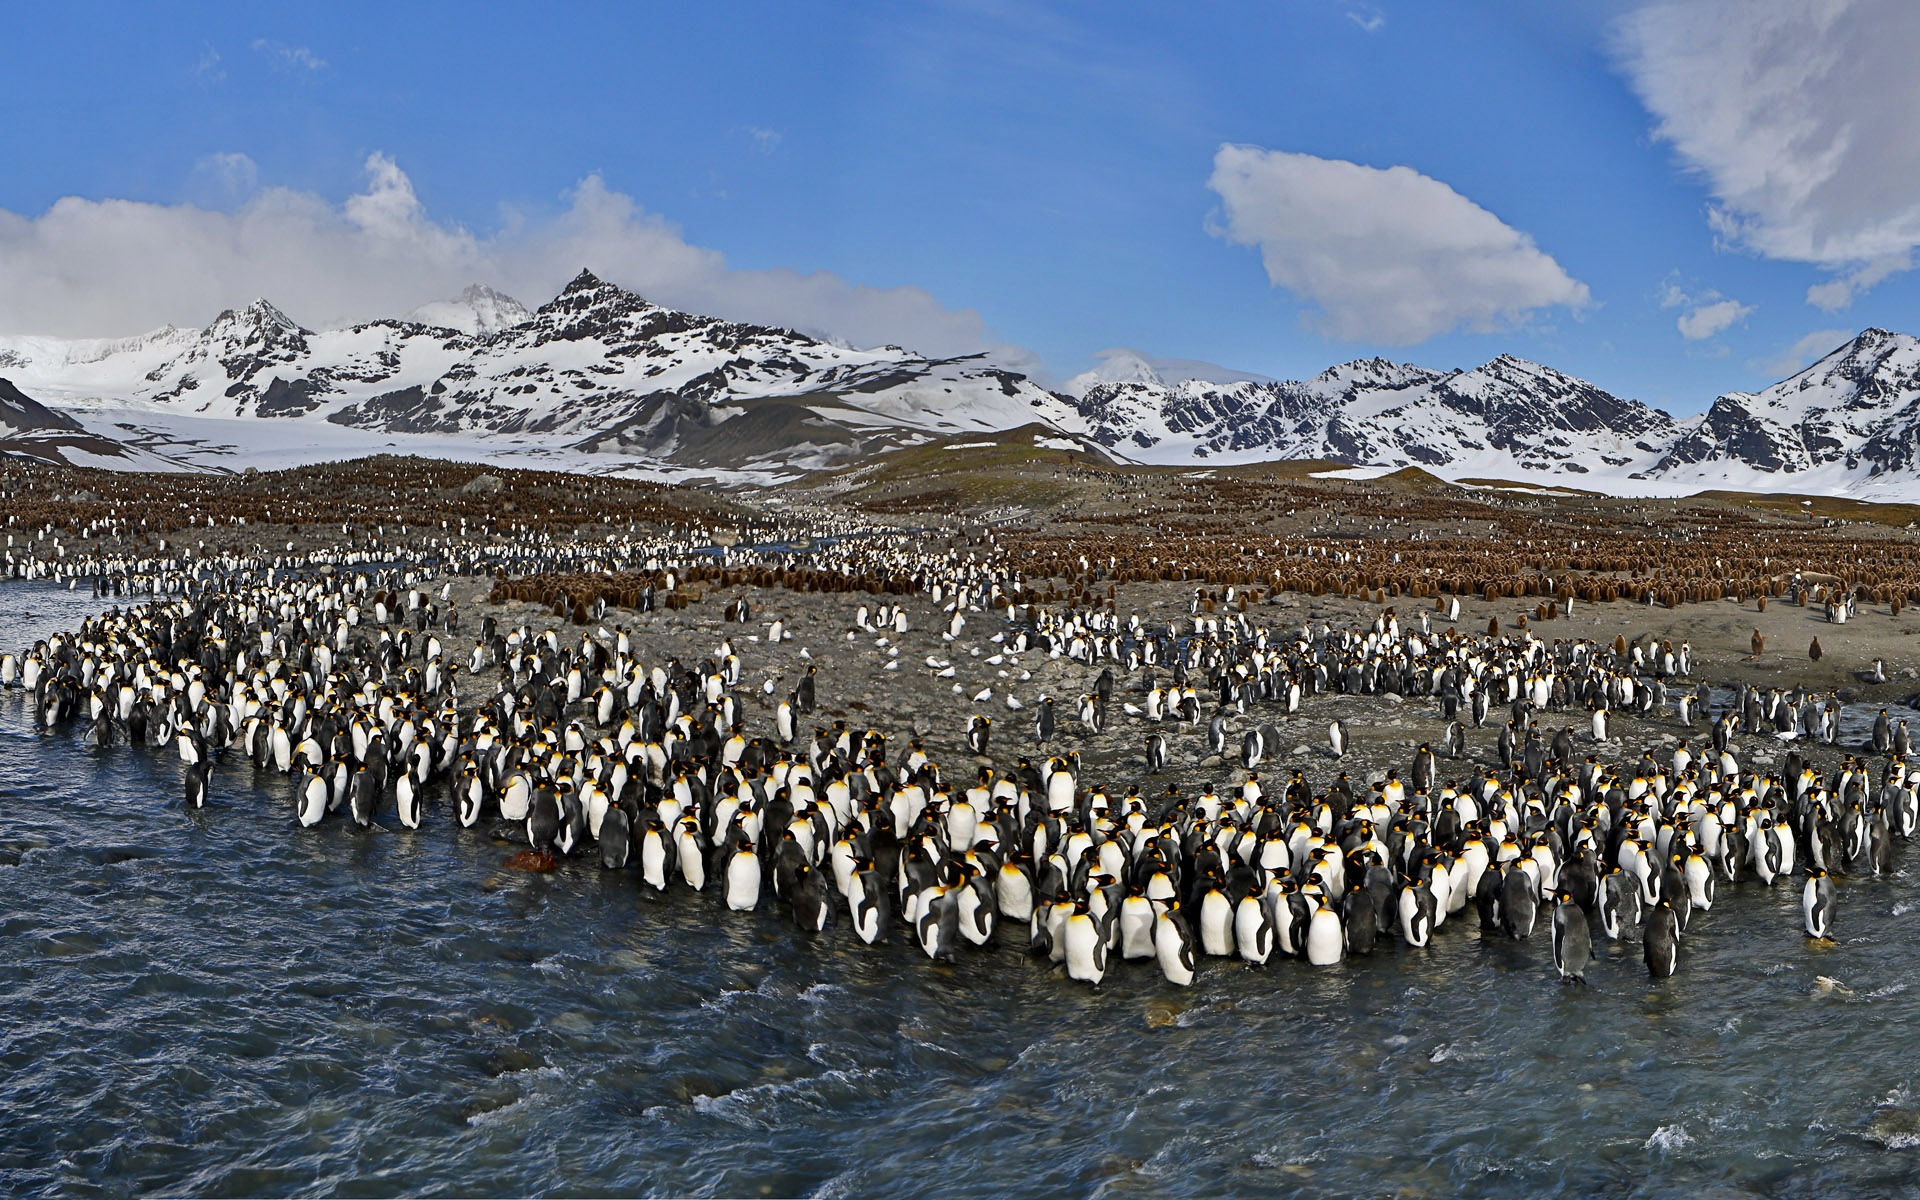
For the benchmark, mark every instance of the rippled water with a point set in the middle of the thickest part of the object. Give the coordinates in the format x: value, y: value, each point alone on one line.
x: 219, y: 1003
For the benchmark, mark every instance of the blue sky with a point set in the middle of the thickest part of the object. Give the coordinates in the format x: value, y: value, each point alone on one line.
x: 1665, y: 198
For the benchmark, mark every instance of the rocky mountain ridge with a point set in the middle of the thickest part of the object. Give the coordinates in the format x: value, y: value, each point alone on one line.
x: 604, y: 379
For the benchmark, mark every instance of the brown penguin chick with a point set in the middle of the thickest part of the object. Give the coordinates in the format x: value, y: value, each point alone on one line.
x: 1759, y: 644
x: 1813, y: 651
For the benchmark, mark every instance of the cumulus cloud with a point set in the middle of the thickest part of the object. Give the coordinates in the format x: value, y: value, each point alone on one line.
x: 1387, y: 255
x: 1799, y: 118
x: 1707, y: 313
x: 111, y: 267
x: 1815, y: 345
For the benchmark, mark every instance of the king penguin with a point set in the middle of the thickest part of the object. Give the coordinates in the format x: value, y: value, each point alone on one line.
x: 1816, y: 904
x: 1173, y: 945
x: 1662, y: 949
x: 1572, y: 944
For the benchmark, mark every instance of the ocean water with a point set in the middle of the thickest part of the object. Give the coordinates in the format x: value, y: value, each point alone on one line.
x: 218, y: 1003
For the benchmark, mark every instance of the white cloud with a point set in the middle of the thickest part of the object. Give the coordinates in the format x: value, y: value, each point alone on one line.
x: 112, y: 267
x: 298, y: 57
x: 1708, y: 313
x: 1387, y: 255
x: 1799, y: 118
x: 1123, y: 364
x: 1709, y: 319
x: 1836, y: 294
x: 765, y: 141
x: 1367, y: 17
x: 1804, y: 351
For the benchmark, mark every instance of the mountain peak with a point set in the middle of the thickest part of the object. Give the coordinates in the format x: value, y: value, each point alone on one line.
x: 479, y: 311
x: 260, y: 316
x: 585, y: 281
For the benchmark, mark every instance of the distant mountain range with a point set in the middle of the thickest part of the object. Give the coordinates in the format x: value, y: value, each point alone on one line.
x: 600, y: 379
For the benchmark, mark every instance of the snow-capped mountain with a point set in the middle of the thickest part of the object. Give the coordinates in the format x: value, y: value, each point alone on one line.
x: 596, y: 371
x: 1504, y: 415
x: 29, y: 429
x: 477, y: 310
x: 599, y: 378
x: 1855, y: 412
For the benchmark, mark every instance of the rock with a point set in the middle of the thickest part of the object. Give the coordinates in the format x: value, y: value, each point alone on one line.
x: 483, y: 485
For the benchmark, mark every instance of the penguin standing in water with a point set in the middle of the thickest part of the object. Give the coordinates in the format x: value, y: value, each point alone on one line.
x: 808, y: 896
x: 407, y: 801
x: 1173, y: 945
x: 616, y: 838
x: 1572, y: 944
x: 1416, y: 913
x: 865, y: 902
x: 312, y: 802
x: 743, y: 879
x: 1253, y: 927
x: 196, y: 785
x: 1662, y: 948
x: 1326, y: 936
x: 1816, y: 904
x: 1518, y: 907
x: 1086, y: 946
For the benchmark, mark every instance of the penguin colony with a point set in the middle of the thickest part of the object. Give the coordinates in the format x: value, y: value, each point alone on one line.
x: 1265, y: 535
x: 343, y: 676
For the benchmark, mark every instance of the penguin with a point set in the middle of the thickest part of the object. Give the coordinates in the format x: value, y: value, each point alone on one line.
x: 1173, y: 945
x: 311, y: 803
x: 937, y: 923
x: 616, y: 838
x: 1136, y: 922
x: 656, y: 854
x: 1156, y: 753
x: 1086, y: 947
x: 743, y: 880
x: 1326, y: 936
x: 979, y: 729
x: 808, y: 895
x: 1518, y: 906
x: 1416, y: 913
x: 364, y: 801
x: 1013, y: 892
x: 196, y: 784
x: 407, y: 801
x: 1216, y: 924
x: 1337, y: 738
x: 1816, y: 904
x: 1662, y: 938
x: 1572, y: 944
x: 1359, y: 916
x: 865, y: 898
x: 1043, y: 720
x: 1253, y: 927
